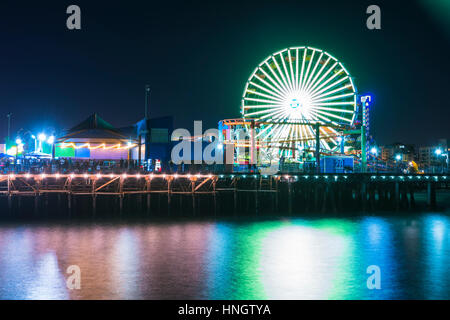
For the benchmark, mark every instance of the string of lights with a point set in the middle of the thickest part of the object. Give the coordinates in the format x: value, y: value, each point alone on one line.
x: 103, y: 146
x: 203, y: 176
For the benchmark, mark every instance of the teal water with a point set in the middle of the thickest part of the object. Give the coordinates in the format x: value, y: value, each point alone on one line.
x: 307, y: 258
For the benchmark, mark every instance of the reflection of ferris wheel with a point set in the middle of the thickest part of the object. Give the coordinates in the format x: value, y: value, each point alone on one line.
x: 294, y: 89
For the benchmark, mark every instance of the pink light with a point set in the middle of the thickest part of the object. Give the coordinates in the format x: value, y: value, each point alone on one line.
x: 85, y: 176
x: 72, y: 176
x: 99, y: 175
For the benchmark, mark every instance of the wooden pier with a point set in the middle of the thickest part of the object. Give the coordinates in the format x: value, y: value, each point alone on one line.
x: 85, y: 195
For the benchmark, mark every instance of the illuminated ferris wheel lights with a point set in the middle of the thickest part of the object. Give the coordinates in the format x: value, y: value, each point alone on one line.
x: 295, y: 85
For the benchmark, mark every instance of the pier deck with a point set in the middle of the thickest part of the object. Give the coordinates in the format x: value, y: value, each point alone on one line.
x: 186, y: 194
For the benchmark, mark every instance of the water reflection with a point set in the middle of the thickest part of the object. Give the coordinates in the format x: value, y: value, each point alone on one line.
x: 280, y: 259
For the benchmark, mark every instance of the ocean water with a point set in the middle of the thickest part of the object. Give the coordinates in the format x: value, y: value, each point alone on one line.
x: 309, y: 258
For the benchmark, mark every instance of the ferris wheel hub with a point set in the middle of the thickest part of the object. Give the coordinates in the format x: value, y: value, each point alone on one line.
x: 297, y: 105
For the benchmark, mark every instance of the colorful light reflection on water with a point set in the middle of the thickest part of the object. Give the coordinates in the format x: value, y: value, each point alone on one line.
x: 280, y: 259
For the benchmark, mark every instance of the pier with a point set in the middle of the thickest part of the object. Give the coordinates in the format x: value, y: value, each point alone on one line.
x: 188, y: 195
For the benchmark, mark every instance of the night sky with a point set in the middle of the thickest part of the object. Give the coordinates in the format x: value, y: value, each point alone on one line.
x: 198, y: 55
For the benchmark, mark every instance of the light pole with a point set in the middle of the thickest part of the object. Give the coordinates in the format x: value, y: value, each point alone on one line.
x: 41, y: 138
x: 146, y: 131
x: 51, y: 141
x: 398, y: 158
x: 147, y: 93
x: 9, y: 124
x: 440, y: 153
x: 35, y: 142
x: 19, y: 148
x: 374, y: 152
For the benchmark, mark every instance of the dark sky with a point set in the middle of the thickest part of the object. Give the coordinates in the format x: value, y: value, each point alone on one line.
x: 197, y: 56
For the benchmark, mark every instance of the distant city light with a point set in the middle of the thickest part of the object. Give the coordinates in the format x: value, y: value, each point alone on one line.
x: 374, y: 150
x: 398, y: 157
x: 18, y: 141
x: 42, y: 137
x: 438, y: 152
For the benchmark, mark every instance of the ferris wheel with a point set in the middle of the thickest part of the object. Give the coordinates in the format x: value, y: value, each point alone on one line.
x: 294, y: 89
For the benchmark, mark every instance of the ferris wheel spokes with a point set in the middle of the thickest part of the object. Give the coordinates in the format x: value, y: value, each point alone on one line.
x: 288, y: 96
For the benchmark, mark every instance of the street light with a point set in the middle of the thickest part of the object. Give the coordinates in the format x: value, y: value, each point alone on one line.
x: 41, y: 138
x: 35, y: 142
x: 51, y: 142
x: 374, y: 152
x: 398, y: 158
x: 439, y: 153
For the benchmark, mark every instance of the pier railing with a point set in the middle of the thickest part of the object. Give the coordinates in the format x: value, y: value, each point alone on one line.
x: 191, y: 194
